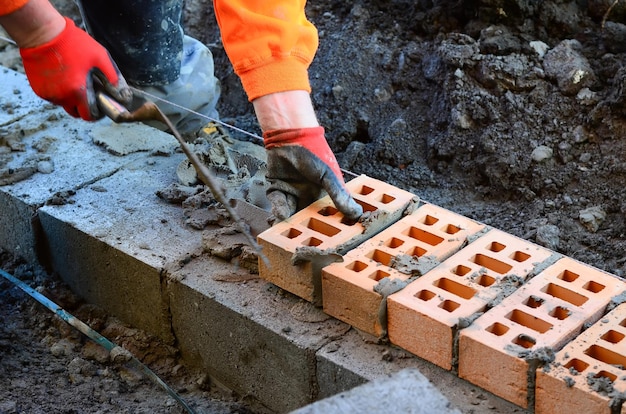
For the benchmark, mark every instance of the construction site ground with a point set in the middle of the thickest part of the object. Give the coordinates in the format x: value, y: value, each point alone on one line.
x: 472, y: 105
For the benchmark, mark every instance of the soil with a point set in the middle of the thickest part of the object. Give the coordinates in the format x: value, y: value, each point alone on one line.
x: 510, y: 112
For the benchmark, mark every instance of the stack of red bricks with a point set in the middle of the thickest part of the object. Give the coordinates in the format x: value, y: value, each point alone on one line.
x: 519, y: 320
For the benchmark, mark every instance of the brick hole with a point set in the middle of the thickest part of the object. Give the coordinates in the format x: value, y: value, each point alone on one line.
x: 485, y: 281
x: 529, y: 321
x: 365, y: 190
x: 394, y: 242
x: 605, y: 374
x: 386, y: 199
x: 425, y: 295
x: 348, y: 222
x: 366, y: 207
x: 451, y: 229
x: 520, y: 256
x: 576, y: 365
x: 533, y: 302
x: 328, y: 211
x: 357, y: 266
x: 429, y: 220
x: 424, y: 236
x: 321, y: 227
x: 594, y: 287
x: 613, y: 336
x: 607, y: 356
x: 380, y: 256
x: 461, y: 270
x: 568, y: 276
x: 378, y: 275
x: 417, y: 251
x: 312, y: 241
x: 455, y: 288
x: 491, y: 263
x: 524, y: 341
x: 623, y: 323
x: 449, y: 305
x: 496, y: 247
x: 564, y: 294
x: 560, y: 313
x: 497, y: 329
x: 291, y: 233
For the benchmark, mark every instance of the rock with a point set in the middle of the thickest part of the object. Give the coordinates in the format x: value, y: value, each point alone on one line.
x: 571, y: 70
x: 61, y: 348
x: 498, y: 40
x: 539, y: 47
x: 352, y: 154
x: 614, y: 36
x: 541, y: 153
x: 592, y: 217
x: 548, y: 236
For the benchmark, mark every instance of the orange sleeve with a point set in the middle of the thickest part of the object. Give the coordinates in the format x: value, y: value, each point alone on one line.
x: 9, y: 6
x: 270, y: 43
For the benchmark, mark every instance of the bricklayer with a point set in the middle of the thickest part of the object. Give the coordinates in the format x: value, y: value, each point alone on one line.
x: 501, y: 349
x: 585, y: 369
x: 297, y: 247
x: 424, y: 238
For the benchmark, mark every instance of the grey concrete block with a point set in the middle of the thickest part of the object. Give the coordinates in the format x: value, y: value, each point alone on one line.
x: 248, y: 334
x: 17, y: 99
x: 45, y: 135
x: 405, y: 392
x: 111, y: 242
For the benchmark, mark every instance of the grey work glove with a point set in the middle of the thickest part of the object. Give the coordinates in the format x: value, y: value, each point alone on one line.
x: 300, y: 165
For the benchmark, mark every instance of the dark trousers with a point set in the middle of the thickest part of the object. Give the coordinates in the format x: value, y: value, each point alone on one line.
x: 144, y: 37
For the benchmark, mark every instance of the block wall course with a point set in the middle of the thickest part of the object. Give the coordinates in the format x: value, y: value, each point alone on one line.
x: 588, y: 372
x: 424, y: 238
x: 320, y: 229
x: 501, y: 349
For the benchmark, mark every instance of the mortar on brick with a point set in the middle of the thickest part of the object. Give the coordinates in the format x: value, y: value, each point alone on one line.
x: 321, y: 226
x: 356, y: 290
x: 588, y: 373
x: 426, y: 316
x: 501, y: 350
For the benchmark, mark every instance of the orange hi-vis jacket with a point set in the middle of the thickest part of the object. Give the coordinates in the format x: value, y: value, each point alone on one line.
x: 270, y: 43
x: 9, y: 6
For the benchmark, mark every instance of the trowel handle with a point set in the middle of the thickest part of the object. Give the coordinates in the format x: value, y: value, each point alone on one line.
x: 111, y: 108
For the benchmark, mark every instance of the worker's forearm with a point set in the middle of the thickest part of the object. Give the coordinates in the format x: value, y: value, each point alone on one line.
x: 285, y: 110
x: 34, y: 24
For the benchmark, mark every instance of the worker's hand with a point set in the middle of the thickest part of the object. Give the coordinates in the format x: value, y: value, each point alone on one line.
x: 300, y: 164
x: 66, y: 70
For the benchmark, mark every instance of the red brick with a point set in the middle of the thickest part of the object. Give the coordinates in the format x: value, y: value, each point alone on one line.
x: 430, y: 232
x: 600, y: 352
x: 425, y: 316
x: 547, y: 312
x: 322, y: 227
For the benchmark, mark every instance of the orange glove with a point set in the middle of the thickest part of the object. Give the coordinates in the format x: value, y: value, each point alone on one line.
x: 300, y: 164
x: 64, y: 71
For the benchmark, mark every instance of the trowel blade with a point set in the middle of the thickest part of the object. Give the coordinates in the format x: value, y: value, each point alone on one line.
x: 254, y: 216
